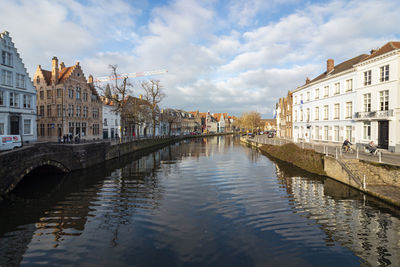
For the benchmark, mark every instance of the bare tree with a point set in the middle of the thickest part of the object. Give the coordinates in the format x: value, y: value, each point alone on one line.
x: 119, y: 91
x: 250, y: 120
x: 154, y: 95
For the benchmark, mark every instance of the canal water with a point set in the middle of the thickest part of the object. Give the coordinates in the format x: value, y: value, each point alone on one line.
x: 203, y: 202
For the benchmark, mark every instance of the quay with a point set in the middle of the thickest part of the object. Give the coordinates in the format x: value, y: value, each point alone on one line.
x: 65, y: 158
x: 378, y: 175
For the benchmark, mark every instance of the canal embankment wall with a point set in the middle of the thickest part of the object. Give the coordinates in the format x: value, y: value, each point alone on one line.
x: 376, y: 179
x: 16, y: 164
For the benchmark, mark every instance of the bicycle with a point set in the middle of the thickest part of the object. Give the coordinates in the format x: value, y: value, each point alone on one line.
x: 347, y: 149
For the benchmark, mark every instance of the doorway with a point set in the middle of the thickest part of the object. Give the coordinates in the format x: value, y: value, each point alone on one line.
x: 14, y: 125
x: 383, y: 134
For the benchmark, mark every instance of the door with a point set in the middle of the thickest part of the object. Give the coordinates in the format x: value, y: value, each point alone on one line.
x: 383, y: 134
x: 14, y: 125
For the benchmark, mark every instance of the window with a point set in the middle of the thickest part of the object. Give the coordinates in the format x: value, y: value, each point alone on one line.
x: 41, y: 94
x: 367, y: 130
x: 41, y: 130
x: 78, y: 93
x: 316, y: 113
x: 337, y: 88
x: 14, y: 100
x: 367, y: 102
x: 6, y: 77
x: 367, y: 77
x: 336, y: 133
x: 326, y: 112
x: 95, y: 112
x: 349, y: 110
x: 326, y: 91
x: 48, y: 94
x: 116, y: 122
x: 78, y: 111
x: 85, y: 112
x: 85, y: 96
x: 27, y: 127
x: 59, y: 92
x: 70, y: 110
x: 59, y: 110
x: 295, y: 99
x: 48, y: 110
x: 349, y: 85
x: 384, y: 100
x: 301, y: 99
x: 96, y: 129
x: 50, y: 129
x: 41, y: 112
x: 83, y: 128
x: 301, y: 115
x: 317, y: 93
x: 6, y: 58
x: 295, y: 116
x: 20, y: 81
x: 316, y: 133
x: 27, y: 101
x: 348, y: 132
x: 1, y: 98
x: 308, y: 96
x: 384, y: 73
x: 105, y: 122
x: 337, y: 111
x: 37, y: 80
x: 70, y: 93
x: 1, y: 128
x: 308, y: 114
x: 326, y: 133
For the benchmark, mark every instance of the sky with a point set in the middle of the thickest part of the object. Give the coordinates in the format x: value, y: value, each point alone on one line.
x: 222, y: 56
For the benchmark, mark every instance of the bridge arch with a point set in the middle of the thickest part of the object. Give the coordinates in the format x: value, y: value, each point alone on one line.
x: 38, y: 164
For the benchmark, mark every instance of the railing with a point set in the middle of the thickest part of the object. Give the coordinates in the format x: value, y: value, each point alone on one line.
x: 378, y: 114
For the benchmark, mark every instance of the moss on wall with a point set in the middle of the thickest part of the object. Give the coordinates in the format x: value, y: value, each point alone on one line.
x: 303, y: 158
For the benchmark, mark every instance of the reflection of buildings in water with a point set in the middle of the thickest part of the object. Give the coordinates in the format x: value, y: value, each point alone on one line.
x: 370, y: 234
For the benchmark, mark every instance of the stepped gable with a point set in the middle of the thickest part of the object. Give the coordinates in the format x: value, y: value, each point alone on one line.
x: 390, y: 46
x: 64, y: 74
x: 6, y: 33
x: 348, y: 64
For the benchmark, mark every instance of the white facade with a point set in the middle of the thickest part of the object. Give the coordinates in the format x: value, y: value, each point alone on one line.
x: 17, y: 94
x: 111, y: 122
x: 378, y: 112
x: 323, y: 109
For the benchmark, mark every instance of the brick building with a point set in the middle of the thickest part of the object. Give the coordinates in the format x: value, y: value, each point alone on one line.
x: 67, y: 103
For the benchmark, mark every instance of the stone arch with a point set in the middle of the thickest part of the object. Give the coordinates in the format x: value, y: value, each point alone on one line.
x: 38, y: 164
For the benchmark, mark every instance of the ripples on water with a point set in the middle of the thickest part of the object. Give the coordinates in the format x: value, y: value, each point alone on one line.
x: 207, y: 202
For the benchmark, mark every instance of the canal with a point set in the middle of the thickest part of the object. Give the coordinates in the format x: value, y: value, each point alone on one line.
x: 200, y: 202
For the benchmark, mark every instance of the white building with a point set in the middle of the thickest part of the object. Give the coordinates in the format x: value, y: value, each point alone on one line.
x: 323, y: 108
x: 111, y: 121
x: 17, y: 94
x: 378, y: 95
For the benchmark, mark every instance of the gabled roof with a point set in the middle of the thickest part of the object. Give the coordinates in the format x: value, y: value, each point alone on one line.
x: 390, y: 46
x: 47, y: 76
x: 346, y: 65
x: 64, y: 74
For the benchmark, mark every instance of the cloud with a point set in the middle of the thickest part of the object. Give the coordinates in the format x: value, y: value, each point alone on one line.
x: 221, y: 56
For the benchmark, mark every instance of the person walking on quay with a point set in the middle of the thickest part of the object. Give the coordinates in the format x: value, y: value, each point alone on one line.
x: 371, y: 148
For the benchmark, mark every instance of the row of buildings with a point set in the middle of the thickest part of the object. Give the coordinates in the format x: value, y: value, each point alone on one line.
x: 63, y: 102
x: 358, y: 99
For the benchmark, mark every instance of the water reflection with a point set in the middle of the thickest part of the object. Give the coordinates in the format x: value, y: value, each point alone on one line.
x: 202, y: 202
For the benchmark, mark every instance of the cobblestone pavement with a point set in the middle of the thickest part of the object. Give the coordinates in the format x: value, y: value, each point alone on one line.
x: 383, y: 157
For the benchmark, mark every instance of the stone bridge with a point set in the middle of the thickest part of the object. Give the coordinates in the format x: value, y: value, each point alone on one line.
x: 16, y: 164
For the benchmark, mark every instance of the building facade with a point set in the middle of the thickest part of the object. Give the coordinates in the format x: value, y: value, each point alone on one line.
x: 378, y: 94
x: 67, y: 103
x: 111, y: 120
x: 17, y: 94
x: 284, y: 109
x: 323, y: 108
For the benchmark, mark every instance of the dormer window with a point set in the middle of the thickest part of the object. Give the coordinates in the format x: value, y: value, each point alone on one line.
x: 37, y: 80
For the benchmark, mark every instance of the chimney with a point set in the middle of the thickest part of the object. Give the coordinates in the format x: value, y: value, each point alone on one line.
x: 62, y: 66
x: 54, y: 70
x: 372, y: 51
x: 90, y: 79
x: 329, y: 65
x: 307, y: 80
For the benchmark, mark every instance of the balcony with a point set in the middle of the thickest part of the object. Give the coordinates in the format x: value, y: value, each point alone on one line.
x: 373, y: 115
